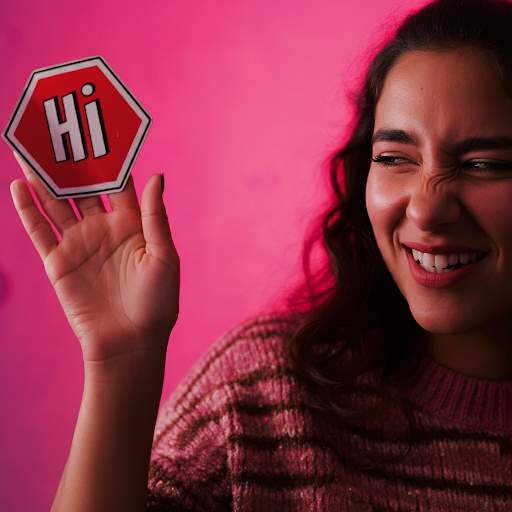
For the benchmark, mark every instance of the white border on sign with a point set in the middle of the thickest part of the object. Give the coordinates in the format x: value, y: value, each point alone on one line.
x: 108, y: 187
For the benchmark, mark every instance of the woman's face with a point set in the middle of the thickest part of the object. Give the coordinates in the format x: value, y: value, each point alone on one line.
x: 441, y: 183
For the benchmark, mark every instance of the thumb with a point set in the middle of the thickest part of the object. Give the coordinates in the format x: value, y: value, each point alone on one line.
x: 155, y: 224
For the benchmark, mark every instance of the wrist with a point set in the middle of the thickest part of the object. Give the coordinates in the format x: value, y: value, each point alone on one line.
x: 103, y: 348
x: 143, y: 369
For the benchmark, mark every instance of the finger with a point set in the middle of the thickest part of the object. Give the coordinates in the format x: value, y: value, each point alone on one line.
x: 126, y: 199
x: 155, y: 224
x: 37, y: 227
x: 59, y: 211
x: 91, y: 205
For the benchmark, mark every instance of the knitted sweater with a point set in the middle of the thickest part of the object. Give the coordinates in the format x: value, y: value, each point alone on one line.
x: 238, y: 435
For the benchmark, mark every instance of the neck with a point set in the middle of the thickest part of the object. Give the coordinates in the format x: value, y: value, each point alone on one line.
x: 486, y: 353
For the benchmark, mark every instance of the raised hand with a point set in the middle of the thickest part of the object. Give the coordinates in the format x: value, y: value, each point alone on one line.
x: 115, y: 273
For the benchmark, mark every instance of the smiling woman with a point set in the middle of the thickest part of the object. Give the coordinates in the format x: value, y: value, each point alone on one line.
x: 441, y: 184
x: 387, y: 385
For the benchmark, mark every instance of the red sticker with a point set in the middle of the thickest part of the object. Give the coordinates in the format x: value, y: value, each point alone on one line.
x: 79, y: 128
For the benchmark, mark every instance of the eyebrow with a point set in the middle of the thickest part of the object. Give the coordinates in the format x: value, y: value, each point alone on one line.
x: 482, y: 143
x: 459, y: 148
x: 394, y: 136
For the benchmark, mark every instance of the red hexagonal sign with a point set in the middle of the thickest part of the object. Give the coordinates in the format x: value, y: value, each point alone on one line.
x: 79, y: 128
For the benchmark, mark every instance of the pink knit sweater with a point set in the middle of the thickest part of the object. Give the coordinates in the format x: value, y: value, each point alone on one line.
x: 238, y: 435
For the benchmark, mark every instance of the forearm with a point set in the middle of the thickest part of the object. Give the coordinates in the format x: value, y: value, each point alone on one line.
x: 108, y: 463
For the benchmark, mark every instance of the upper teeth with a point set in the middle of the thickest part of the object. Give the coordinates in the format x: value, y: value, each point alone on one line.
x: 437, y: 262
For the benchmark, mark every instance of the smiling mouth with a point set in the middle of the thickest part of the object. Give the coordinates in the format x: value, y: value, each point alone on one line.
x: 442, y: 263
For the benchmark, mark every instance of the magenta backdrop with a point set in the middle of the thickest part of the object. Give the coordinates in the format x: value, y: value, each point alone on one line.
x: 247, y: 98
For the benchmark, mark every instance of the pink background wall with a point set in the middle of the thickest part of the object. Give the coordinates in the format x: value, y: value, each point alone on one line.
x: 247, y: 100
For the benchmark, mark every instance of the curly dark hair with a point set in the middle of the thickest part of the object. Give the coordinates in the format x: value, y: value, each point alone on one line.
x: 351, y: 309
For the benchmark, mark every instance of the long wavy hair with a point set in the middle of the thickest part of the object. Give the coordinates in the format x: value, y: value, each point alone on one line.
x: 352, y: 319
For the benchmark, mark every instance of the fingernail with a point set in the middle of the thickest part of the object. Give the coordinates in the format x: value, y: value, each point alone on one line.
x: 163, y: 182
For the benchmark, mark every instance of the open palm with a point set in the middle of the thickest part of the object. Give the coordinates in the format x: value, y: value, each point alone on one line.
x: 115, y: 273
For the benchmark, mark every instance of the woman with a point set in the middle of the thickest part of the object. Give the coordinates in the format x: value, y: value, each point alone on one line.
x: 388, y: 386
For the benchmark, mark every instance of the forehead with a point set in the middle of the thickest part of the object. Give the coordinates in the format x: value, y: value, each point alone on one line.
x: 449, y: 95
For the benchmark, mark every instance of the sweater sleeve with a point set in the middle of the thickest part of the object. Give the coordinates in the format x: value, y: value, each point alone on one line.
x: 189, y: 467
x: 194, y: 455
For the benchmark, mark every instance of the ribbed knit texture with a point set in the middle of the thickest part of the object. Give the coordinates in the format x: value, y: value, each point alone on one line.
x: 238, y: 435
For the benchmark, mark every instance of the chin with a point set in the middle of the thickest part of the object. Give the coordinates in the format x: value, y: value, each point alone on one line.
x: 443, y: 322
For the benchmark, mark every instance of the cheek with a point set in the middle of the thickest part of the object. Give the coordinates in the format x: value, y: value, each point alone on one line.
x: 384, y: 204
x: 492, y: 210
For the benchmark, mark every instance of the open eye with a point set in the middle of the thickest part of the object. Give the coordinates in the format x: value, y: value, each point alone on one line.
x: 481, y: 167
x: 390, y: 161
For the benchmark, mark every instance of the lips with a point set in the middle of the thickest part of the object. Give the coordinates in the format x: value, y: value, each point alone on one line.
x: 441, y: 267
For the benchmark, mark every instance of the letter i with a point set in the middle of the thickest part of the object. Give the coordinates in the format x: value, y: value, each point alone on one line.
x: 96, y: 125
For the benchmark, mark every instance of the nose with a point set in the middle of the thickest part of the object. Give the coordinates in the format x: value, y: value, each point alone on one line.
x: 432, y: 205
